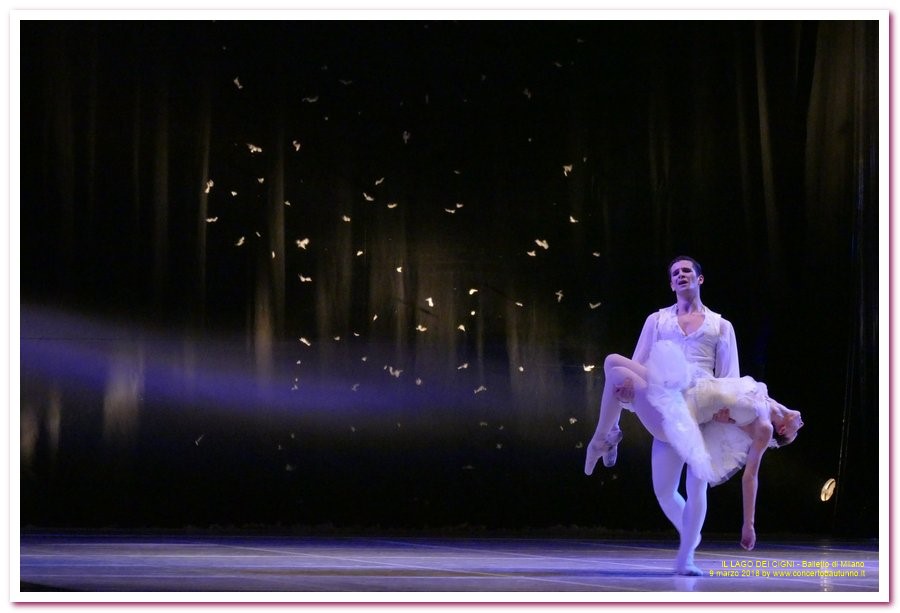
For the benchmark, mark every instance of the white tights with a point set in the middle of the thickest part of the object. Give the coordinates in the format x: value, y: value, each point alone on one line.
x: 686, y: 515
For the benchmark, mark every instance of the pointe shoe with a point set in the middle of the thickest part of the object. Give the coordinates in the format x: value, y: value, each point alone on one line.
x: 594, y: 453
x: 612, y: 447
x: 608, y: 450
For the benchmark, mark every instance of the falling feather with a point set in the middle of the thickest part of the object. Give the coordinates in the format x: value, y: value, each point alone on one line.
x: 254, y: 148
x: 311, y: 99
x: 345, y: 218
x: 567, y: 168
x: 406, y: 137
x: 368, y: 197
x: 542, y: 243
x: 302, y: 243
x: 572, y: 219
x: 559, y: 296
x: 305, y: 279
x: 392, y: 205
x: 379, y: 181
x: 237, y: 83
x: 421, y: 328
x: 209, y: 186
x: 239, y: 242
x: 297, y: 145
x: 212, y: 219
x: 594, y: 305
x: 430, y: 301
x: 588, y: 367
x: 462, y: 366
x: 305, y: 342
x: 480, y: 389
x: 473, y: 291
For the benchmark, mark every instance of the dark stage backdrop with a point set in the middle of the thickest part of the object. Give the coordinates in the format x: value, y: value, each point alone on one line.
x: 363, y: 275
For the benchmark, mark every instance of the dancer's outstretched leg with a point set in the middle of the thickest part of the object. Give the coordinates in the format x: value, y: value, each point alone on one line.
x: 623, y: 376
x: 692, y: 523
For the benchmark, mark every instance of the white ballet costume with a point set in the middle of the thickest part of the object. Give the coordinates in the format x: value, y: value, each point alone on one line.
x: 714, y: 450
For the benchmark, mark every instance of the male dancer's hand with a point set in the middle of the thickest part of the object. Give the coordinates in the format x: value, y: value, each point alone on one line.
x: 723, y: 416
x: 625, y: 392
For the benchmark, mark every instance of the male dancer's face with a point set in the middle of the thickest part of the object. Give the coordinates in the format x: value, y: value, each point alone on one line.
x: 683, y: 278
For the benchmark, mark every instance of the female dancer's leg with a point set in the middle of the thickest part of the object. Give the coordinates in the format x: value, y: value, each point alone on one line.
x: 625, y: 382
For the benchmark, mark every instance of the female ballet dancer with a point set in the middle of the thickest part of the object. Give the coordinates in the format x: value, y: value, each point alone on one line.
x: 717, y: 425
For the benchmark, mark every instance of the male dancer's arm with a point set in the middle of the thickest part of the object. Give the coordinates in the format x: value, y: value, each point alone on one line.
x: 646, y: 339
x: 727, y: 364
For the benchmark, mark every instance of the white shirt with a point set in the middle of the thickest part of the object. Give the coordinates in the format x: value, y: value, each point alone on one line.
x: 711, y: 349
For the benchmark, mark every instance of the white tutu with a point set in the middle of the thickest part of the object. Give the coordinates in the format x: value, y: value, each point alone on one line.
x: 668, y: 375
x: 714, y: 450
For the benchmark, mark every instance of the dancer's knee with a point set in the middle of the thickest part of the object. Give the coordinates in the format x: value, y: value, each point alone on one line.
x: 612, y: 361
x: 665, y: 491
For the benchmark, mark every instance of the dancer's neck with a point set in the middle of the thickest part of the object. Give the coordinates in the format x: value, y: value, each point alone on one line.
x: 688, y: 304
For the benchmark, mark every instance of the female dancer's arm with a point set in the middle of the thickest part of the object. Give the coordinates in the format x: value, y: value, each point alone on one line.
x: 761, y: 433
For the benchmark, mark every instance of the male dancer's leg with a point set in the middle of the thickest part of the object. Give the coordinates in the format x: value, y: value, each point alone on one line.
x: 666, y: 467
x: 691, y: 524
x: 686, y: 515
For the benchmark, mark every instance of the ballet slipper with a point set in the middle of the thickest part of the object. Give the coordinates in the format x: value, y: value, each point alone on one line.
x: 606, y: 449
x: 684, y: 564
x: 612, y: 453
x: 689, y: 570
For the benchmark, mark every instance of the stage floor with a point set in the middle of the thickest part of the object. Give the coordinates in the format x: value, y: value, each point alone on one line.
x: 303, y: 566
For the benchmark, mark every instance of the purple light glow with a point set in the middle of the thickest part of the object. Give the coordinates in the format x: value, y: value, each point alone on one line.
x: 79, y: 353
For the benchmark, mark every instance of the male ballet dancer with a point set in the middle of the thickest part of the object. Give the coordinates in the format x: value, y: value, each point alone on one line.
x: 709, y: 343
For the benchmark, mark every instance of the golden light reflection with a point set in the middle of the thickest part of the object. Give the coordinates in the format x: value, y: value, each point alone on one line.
x: 827, y: 490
